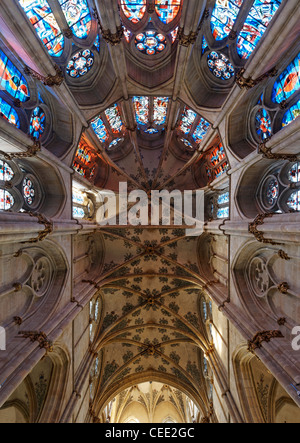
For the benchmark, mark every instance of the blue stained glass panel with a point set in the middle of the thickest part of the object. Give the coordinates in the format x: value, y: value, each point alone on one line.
x: 294, y: 201
x: 291, y: 114
x: 167, y: 10
x: 78, y: 16
x: 6, y: 173
x: 100, y: 129
x: 37, y: 123
x: 255, y: 26
x: 9, y: 114
x: 288, y: 82
x: 201, y: 131
x: 6, y: 200
x: 11, y: 80
x: 223, y: 213
x: 45, y: 24
x: 263, y: 124
x: 134, y: 10
x: 223, y: 199
x: 160, y: 105
x: 224, y: 16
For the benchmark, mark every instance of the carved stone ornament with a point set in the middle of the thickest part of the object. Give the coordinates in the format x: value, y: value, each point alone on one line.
x: 249, y: 83
x: 283, y: 255
x: 40, y: 337
x: 268, y: 154
x: 283, y: 288
x: 260, y: 337
x: 50, y: 80
x: 113, y: 39
x: 31, y: 152
x: 259, y: 220
x: 42, y: 220
x: 187, y: 40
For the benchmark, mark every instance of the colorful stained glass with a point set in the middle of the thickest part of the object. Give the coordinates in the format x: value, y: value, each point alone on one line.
x: 263, y: 124
x: 78, y: 212
x: 127, y: 35
x: 217, y: 155
x: 271, y: 191
x: 187, y: 120
x: 220, y: 66
x: 134, y: 10
x: 294, y: 173
x: 201, y: 131
x: 37, y: 123
x: 45, y: 24
x: 224, y: 16
x: 294, y: 201
x: 167, y: 10
x: 79, y: 169
x: 151, y: 131
x: 100, y: 129
x: 141, y: 105
x: 28, y: 191
x: 77, y: 197
x: 220, y: 170
x: 113, y: 116
x: 223, y: 213
x: 115, y: 143
x: 97, y: 43
x: 78, y: 16
x: 160, y: 109
x: 80, y: 64
x: 150, y: 42
x: 6, y: 173
x: 223, y: 199
x: 255, y: 25
x: 9, y: 114
x: 6, y: 200
x: 174, y: 34
x: 84, y: 154
x: 204, y: 45
x: 291, y: 114
x: 187, y: 144
x: 11, y: 80
x: 288, y: 82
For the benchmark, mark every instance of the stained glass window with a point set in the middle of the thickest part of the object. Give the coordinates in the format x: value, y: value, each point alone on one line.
x: 187, y: 144
x: 8, y: 113
x: 77, y: 197
x: 288, y: 82
x: 6, y: 173
x: 217, y: 155
x: 201, y: 131
x: 85, y: 162
x: 204, y: 45
x: 80, y: 64
x: 224, y: 16
x: 127, y: 35
x: 187, y: 121
x: 220, y: 170
x: 255, y: 25
x: 223, y: 199
x: 100, y: 129
x: 294, y: 201
x: 45, y: 24
x: 291, y: 114
x: 263, y: 124
x: 271, y: 191
x: 116, y: 142
x: 223, y: 213
x: 167, y: 10
x: 37, y: 123
x: 11, y: 80
x: 151, y: 131
x: 114, y: 119
x: 97, y: 43
x: 160, y: 109
x: 78, y: 212
x: 220, y: 66
x: 174, y: 34
x: 294, y: 173
x: 6, y: 200
x: 141, y: 105
x: 78, y: 16
x: 28, y: 191
x: 134, y: 10
x: 150, y: 42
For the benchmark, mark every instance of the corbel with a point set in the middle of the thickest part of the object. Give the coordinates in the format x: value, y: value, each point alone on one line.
x: 50, y: 80
x: 268, y: 154
x: 31, y: 152
x: 258, y: 221
x: 42, y: 220
x: 249, y: 83
x: 40, y: 337
x: 260, y: 337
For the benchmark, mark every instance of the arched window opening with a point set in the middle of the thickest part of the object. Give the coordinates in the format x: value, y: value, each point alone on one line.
x: 9, y: 113
x: 12, y: 81
x: 224, y: 16
x: 78, y: 17
x: 109, y: 127
x: 167, y: 10
x: 6, y: 200
x: 6, y: 172
x: 287, y: 83
x: 151, y: 113
x: 85, y: 161
x: 134, y: 10
x: 44, y: 22
x: 83, y: 207
x: 193, y: 127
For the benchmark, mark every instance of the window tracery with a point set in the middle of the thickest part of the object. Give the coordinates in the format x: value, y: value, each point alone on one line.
x: 109, y: 127
x: 83, y: 206
x: 192, y: 129
x: 151, y: 113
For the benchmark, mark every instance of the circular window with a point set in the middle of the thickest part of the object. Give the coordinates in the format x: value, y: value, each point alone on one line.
x: 28, y: 191
x: 150, y: 42
x: 220, y: 66
x: 80, y: 64
x: 263, y: 124
x: 37, y: 123
x: 270, y: 192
